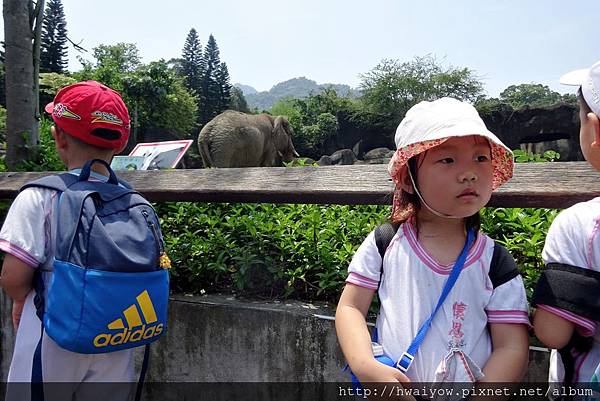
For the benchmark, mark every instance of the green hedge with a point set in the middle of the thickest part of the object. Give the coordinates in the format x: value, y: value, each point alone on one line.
x: 303, y: 251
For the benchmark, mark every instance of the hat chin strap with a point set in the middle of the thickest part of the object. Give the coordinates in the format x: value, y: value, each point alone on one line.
x: 432, y: 210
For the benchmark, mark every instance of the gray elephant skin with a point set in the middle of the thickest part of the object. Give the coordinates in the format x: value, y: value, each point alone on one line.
x: 234, y: 139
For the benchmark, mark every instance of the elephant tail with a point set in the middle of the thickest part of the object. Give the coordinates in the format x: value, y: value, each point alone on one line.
x: 205, y: 152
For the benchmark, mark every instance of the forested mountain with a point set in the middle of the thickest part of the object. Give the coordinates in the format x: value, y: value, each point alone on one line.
x: 247, y: 89
x: 295, y: 87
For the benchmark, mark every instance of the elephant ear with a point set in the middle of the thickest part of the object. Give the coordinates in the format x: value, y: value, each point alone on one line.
x: 281, y: 136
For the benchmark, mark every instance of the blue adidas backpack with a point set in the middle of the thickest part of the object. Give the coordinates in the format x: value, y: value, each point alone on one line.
x: 110, y: 286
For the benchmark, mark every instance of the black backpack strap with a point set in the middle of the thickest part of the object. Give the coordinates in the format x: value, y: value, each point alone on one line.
x: 383, y: 236
x: 37, y: 377
x: 572, y: 288
x: 503, y: 267
x: 145, y: 362
x: 579, y: 344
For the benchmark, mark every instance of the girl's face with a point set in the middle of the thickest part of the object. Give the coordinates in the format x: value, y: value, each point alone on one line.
x: 455, y: 178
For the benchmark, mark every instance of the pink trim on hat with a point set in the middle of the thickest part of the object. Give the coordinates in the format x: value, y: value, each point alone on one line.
x: 502, y: 163
x: 502, y: 160
x: 401, y: 156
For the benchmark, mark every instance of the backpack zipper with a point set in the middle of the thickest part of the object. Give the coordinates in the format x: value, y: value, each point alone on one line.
x: 163, y: 259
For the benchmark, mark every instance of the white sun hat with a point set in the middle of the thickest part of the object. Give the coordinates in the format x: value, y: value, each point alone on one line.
x: 428, y: 124
x: 589, y: 80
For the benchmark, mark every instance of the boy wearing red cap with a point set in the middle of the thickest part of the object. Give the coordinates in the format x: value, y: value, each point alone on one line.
x: 91, y: 121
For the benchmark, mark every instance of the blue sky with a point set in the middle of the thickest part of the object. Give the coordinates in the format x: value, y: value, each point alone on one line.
x: 265, y: 42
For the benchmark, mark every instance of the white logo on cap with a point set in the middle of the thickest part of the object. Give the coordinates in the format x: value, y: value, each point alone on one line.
x: 105, y: 117
x: 60, y: 110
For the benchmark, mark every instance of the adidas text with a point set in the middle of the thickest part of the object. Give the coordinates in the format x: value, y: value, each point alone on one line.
x: 143, y: 333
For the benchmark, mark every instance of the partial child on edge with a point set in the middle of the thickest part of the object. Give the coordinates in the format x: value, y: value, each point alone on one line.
x: 566, y: 296
x: 480, y: 331
x: 91, y: 121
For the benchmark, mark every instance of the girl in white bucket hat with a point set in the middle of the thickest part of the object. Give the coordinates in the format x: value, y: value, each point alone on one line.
x: 445, y: 168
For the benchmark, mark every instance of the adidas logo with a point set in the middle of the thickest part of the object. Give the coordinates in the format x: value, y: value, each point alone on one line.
x: 134, y: 320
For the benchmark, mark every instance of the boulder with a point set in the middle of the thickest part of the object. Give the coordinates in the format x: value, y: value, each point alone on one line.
x: 340, y: 157
x: 378, y: 153
x: 324, y: 161
x: 343, y: 157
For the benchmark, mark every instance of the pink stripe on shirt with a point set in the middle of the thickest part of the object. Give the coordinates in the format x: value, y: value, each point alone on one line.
x: 18, y: 253
x: 474, y: 253
x: 508, y: 316
x: 590, y: 245
x: 362, y: 281
x: 585, y: 327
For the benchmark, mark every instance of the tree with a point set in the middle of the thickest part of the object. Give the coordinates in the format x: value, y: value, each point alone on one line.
x: 191, y: 62
x: 51, y: 83
x: 124, y: 56
x: 533, y: 95
x: 238, y: 101
x: 112, y: 63
x: 391, y: 88
x: 54, y: 39
x: 210, y: 90
x: 22, y: 30
x: 224, y: 88
x: 2, y: 83
x: 157, y: 98
x: 316, y: 120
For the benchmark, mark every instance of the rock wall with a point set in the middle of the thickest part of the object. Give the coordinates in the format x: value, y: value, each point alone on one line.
x: 555, y: 128
x: 534, y: 130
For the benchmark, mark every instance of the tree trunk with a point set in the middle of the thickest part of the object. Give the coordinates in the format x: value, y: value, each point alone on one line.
x: 37, y: 44
x: 22, y: 131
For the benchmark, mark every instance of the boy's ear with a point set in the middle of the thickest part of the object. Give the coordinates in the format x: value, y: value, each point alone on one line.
x: 405, y: 182
x: 594, y: 122
x: 59, y: 137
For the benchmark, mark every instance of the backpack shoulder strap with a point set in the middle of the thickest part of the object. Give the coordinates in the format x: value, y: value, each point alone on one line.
x: 503, y: 267
x: 56, y: 182
x: 383, y: 236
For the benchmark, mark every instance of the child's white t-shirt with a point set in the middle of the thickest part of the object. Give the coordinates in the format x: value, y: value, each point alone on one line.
x: 411, y: 284
x: 27, y: 234
x: 573, y: 239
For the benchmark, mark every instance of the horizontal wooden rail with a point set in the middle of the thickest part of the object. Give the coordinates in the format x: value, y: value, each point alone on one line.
x: 551, y: 185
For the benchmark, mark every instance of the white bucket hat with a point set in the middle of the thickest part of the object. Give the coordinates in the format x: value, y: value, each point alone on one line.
x: 589, y: 80
x: 428, y: 124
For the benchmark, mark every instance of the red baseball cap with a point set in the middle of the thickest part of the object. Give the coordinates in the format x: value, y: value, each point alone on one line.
x: 80, y: 109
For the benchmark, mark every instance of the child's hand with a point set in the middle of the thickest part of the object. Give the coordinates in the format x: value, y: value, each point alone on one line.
x: 377, y: 372
x: 17, y: 310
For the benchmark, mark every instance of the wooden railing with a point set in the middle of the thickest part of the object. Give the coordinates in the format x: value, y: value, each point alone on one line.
x: 551, y: 185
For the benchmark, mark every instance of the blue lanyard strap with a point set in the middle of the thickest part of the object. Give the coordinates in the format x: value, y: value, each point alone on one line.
x: 409, y: 355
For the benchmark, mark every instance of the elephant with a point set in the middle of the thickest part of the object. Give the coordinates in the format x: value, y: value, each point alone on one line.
x: 235, y: 139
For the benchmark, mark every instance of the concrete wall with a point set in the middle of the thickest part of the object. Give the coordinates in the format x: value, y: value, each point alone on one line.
x: 221, y: 339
